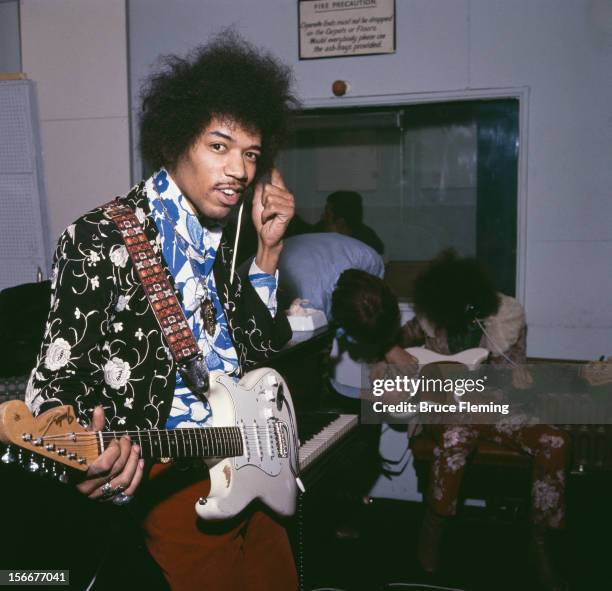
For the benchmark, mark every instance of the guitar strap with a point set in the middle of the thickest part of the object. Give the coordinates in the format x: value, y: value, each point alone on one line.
x: 161, y: 296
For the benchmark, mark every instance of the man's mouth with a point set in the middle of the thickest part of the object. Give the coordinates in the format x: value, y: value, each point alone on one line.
x: 230, y: 195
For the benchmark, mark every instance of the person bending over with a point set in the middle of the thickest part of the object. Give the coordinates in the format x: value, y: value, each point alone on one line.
x: 457, y: 308
x: 211, y: 124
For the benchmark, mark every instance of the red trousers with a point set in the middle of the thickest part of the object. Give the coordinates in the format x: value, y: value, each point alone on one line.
x: 251, y: 553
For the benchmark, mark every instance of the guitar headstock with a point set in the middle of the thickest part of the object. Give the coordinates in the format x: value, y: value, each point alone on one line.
x: 54, y: 435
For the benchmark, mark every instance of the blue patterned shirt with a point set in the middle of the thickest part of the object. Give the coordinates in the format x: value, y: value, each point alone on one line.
x: 190, y: 250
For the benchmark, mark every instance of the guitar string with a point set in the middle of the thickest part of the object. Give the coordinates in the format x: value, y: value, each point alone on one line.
x: 152, y: 433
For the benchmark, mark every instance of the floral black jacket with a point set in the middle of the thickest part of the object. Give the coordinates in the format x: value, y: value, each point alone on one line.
x: 102, y: 343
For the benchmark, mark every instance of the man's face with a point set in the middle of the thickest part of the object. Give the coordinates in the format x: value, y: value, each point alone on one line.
x: 216, y: 170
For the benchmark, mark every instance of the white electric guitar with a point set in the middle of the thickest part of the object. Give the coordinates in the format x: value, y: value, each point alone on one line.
x: 251, y: 449
x: 471, y: 358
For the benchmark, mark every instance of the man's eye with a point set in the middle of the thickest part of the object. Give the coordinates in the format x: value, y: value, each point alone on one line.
x: 217, y: 147
x: 252, y: 156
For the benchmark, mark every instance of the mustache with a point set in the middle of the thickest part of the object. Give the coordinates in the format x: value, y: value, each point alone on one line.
x: 238, y: 187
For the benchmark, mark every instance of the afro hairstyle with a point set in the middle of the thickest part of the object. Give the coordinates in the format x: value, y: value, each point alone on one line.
x: 453, y: 291
x: 227, y: 78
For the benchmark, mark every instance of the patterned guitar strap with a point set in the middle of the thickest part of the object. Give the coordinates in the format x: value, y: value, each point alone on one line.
x: 161, y: 296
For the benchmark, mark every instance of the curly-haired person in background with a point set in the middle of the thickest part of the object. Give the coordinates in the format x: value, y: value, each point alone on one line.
x: 449, y: 295
x: 211, y: 125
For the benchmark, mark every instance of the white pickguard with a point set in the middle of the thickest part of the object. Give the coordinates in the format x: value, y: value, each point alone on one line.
x: 266, y: 470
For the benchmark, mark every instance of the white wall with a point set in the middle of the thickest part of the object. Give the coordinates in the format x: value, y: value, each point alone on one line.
x: 76, y: 52
x: 559, y: 50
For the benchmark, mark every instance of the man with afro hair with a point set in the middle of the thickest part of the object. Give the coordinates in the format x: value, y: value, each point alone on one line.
x: 210, y: 127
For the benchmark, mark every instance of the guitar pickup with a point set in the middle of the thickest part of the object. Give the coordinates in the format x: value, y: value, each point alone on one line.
x: 281, y: 434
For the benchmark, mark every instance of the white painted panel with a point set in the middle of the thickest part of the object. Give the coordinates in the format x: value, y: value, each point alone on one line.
x: 554, y: 342
x: 87, y: 164
x: 569, y: 289
x: 560, y: 49
x: 75, y: 50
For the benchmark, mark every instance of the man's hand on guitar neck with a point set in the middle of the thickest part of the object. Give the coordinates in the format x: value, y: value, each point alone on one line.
x: 118, y: 465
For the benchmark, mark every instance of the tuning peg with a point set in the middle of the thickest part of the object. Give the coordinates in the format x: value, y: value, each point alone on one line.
x: 33, y: 465
x: 63, y: 477
x: 8, y: 457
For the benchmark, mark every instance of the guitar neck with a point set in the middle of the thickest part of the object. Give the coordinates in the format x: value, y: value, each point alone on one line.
x: 207, y: 442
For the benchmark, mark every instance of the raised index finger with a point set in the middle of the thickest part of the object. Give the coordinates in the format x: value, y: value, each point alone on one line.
x: 277, y: 179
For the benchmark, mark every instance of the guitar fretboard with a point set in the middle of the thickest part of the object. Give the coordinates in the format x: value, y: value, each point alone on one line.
x: 209, y: 442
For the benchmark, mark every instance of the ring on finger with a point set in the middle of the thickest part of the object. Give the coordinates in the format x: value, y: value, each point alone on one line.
x: 107, y: 490
x: 119, y: 489
x: 121, y: 499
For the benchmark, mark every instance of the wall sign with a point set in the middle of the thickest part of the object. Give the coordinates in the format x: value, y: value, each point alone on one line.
x: 341, y: 28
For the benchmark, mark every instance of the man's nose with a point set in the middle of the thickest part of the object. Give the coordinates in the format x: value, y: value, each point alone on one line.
x: 236, y: 167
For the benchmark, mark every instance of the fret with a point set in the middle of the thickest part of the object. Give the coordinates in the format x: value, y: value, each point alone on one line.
x: 222, y: 441
x: 206, y: 433
x: 184, y: 444
x: 210, y: 437
x: 231, y: 451
x: 177, y: 451
x: 192, y: 446
x: 225, y: 442
x: 161, y: 446
x: 190, y: 442
x: 201, y: 439
x: 196, y: 434
x: 216, y: 450
x: 238, y: 441
x: 169, y: 442
x: 232, y: 440
x: 151, y: 452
